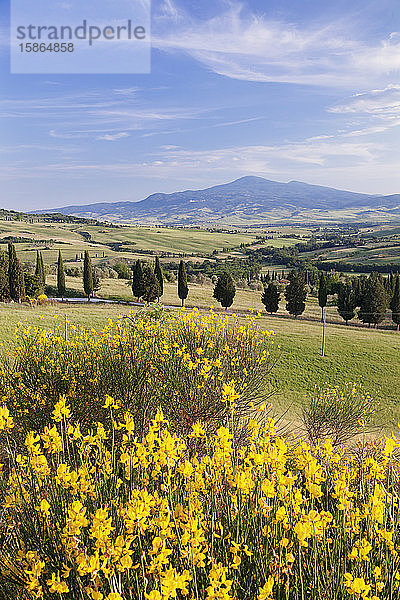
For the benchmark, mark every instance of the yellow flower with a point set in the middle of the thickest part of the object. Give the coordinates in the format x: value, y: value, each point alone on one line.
x: 61, y: 410
x: 154, y: 595
x: 266, y: 591
x: 198, y: 430
x: 56, y: 585
x: 45, y: 506
x: 6, y: 422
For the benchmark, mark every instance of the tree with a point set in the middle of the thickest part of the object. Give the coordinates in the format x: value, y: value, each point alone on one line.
x: 137, y: 280
x: 39, y: 270
x: 60, y: 277
x: 322, y: 294
x: 150, y: 284
x: 346, y: 304
x: 124, y: 272
x: 88, y: 276
x: 159, y: 274
x: 33, y: 285
x: 358, y: 290
x: 183, y: 288
x: 4, y: 283
x: 374, y: 300
x: 96, y: 281
x: 225, y: 290
x: 15, y: 275
x: 270, y: 298
x: 296, y: 293
x: 395, y: 302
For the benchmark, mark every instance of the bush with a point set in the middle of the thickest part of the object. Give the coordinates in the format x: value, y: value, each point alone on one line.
x: 337, y: 413
x: 99, y: 513
x: 123, y: 270
x: 177, y: 361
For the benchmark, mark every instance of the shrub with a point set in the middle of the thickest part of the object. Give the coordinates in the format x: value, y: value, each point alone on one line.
x: 87, y: 516
x: 177, y: 361
x: 337, y: 413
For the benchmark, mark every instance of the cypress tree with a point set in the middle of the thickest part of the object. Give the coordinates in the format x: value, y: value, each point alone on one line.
x: 37, y: 267
x: 96, y: 281
x: 346, y: 303
x: 358, y: 292
x: 395, y: 302
x: 60, y: 276
x: 15, y: 275
x: 150, y: 284
x: 159, y: 274
x: 270, y: 298
x: 43, y: 271
x: 374, y: 301
x: 4, y: 282
x: 322, y: 293
x: 39, y: 270
x: 183, y: 288
x: 296, y: 294
x: 88, y: 276
x: 137, y: 280
x: 225, y: 290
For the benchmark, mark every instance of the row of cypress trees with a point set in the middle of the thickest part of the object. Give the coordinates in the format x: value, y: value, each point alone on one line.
x: 372, y: 295
x: 16, y: 285
x: 148, y: 284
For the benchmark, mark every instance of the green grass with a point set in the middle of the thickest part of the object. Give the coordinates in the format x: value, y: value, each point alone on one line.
x: 68, y: 238
x: 135, y: 240
x: 363, y: 356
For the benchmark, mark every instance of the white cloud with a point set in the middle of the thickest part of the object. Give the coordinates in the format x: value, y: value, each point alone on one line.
x: 384, y: 103
x: 108, y: 137
x: 377, y: 110
x: 254, y: 48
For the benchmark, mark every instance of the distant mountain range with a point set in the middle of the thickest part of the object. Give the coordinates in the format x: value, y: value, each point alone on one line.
x: 248, y: 200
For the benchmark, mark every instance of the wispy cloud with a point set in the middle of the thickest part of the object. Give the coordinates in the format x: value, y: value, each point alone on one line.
x: 384, y: 103
x: 379, y: 109
x: 94, y: 112
x: 108, y: 137
x: 242, y: 45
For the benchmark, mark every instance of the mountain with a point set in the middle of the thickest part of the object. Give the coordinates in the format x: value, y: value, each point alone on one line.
x: 247, y: 200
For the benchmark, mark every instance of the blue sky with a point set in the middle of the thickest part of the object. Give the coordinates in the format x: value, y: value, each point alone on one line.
x: 290, y: 89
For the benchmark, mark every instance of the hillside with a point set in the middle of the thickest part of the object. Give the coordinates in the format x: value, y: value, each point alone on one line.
x: 248, y: 200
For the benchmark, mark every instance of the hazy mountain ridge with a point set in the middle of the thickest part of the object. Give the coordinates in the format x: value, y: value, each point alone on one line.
x: 245, y: 199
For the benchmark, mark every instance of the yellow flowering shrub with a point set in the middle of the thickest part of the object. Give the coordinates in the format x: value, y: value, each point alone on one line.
x: 99, y: 512
x: 177, y: 361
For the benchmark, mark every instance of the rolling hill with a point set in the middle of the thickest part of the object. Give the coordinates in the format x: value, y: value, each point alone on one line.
x: 248, y: 200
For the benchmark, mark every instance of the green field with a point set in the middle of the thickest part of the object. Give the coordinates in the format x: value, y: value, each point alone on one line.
x: 362, y: 356
x: 134, y: 242
x: 74, y: 239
